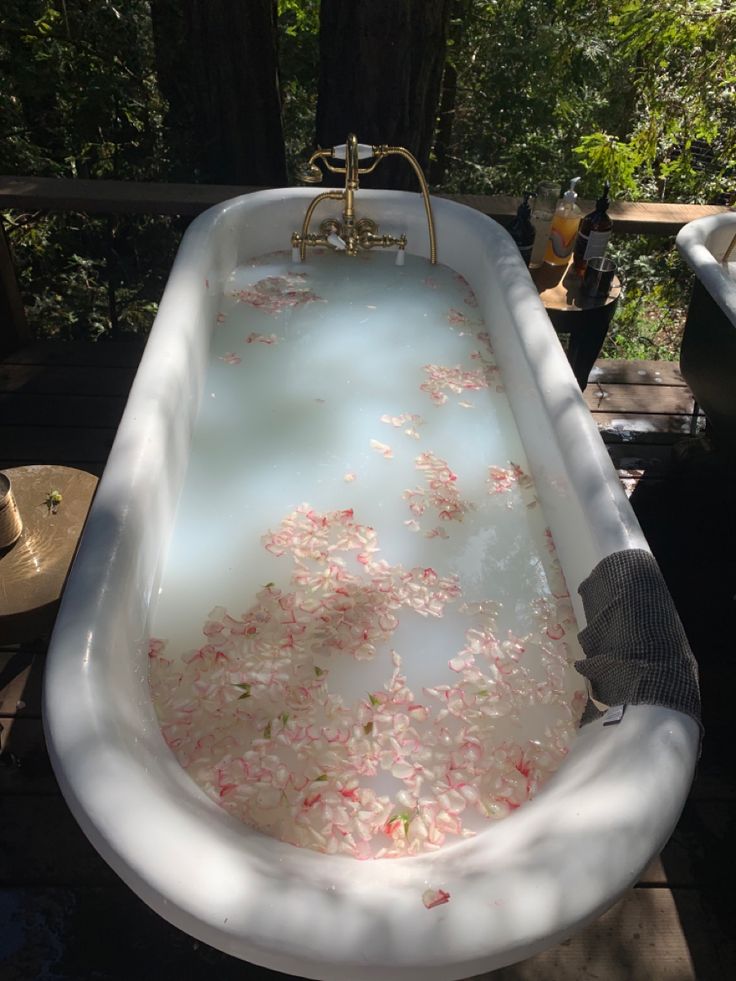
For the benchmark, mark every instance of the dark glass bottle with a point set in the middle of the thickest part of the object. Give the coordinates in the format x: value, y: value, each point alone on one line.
x: 594, y: 232
x: 522, y: 231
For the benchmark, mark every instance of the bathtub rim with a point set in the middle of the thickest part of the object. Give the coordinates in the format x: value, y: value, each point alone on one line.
x: 554, y: 382
x: 660, y: 777
x: 695, y: 243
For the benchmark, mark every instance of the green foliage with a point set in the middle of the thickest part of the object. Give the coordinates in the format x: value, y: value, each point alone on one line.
x: 641, y: 94
x: 529, y: 89
x: 638, y: 93
x: 298, y: 61
x: 81, y: 88
x: 617, y: 161
x: 657, y: 286
x: 81, y: 100
x: 680, y: 137
x: 86, y: 277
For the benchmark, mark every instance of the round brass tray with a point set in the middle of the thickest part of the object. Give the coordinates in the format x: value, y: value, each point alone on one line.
x: 34, y: 569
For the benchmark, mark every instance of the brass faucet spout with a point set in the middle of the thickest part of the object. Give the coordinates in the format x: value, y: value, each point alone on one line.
x: 350, y: 235
x: 301, y: 240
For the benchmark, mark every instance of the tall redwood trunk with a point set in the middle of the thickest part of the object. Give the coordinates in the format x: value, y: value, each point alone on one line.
x: 218, y: 70
x: 381, y: 66
x: 448, y: 95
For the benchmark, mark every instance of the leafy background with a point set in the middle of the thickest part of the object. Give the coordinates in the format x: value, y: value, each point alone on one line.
x: 643, y: 95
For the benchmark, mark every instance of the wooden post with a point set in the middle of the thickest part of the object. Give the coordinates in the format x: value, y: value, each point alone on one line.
x: 14, y: 330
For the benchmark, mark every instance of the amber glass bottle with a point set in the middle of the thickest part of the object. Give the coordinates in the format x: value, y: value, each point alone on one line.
x: 594, y: 232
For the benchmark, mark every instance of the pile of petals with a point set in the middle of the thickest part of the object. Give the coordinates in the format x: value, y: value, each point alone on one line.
x: 252, y: 717
x: 440, y: 493
x: 406, y: 417
x: 458, y: 319
x: 456, y: 378
x: 276, y: 293
x: 470, y: 298
x: 502, y: 480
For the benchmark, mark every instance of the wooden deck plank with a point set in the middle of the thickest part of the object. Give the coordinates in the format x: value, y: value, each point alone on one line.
x: 640, y: 399
x: 114, y: 197
x: 98, y: 354
x: 21, y: 681
x: 15, y: 671
x: 640, y: 939
x: 44, y: 821
x: 615, y: 371
x: 42, y: 379
x: 629, y: 217
x: 54, y: 411
x: 79, y: 933
x: 136, y: 197
x: 639, y: 455
x: 25, y: 767
x: 14, y: 328
x: 642, y: 425
x: 106, y: 934
x: 65, y: 446
x: 702, y: 845
x: 715, y: 777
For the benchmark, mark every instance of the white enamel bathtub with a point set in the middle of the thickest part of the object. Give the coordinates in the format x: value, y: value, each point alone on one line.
x: 708, y: 349
x: 530, y: 882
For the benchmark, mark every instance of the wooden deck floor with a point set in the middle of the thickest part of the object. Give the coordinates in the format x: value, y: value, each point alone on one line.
x: 65, y: 915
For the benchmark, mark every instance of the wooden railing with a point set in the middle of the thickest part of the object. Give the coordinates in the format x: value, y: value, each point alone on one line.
x: 134, y: 197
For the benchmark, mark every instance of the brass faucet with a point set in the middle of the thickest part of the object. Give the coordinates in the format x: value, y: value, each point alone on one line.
x: 351, y: 234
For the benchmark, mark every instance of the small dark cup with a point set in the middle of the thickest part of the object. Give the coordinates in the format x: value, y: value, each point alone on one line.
x: 599, y: 275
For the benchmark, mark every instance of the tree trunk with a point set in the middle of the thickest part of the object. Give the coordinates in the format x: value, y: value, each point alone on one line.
x: 380, y: 71
x: 448, y: 96
x: 175, y: 85
x: 218, y: 70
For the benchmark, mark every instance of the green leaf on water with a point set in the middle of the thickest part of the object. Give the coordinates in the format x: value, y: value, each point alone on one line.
x: 405, y: 818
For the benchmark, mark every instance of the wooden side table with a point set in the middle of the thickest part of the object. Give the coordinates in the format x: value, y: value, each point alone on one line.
x: 34, y: 569
x: 584, y: 319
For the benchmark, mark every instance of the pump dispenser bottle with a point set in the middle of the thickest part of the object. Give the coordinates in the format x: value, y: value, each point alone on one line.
x: 595, y: 231
x: 564, y: 228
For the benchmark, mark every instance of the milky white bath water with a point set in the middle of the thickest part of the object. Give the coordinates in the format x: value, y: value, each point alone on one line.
x: 363, y: 640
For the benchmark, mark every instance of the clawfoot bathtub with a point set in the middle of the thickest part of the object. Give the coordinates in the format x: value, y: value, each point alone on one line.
x: 527, y: 882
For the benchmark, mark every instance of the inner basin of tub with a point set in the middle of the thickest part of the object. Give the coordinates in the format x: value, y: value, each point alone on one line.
x: 362, y: 641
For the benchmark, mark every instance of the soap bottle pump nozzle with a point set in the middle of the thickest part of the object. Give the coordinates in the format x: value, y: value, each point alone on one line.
x: 604, y: 200
x: 522, y: 230
x: 524, y: 209
x: 571, y: 194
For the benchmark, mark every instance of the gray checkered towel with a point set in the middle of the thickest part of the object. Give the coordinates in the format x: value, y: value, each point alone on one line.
x: 635, y: 645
